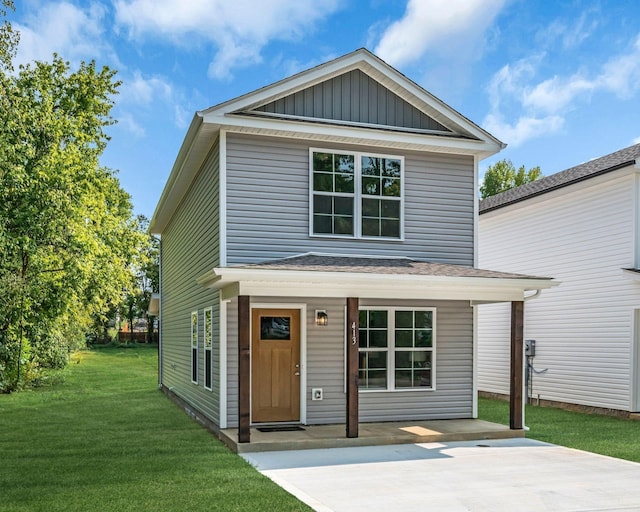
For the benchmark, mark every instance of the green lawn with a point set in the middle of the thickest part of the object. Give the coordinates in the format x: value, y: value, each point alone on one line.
x: 104, y: 438
x: 594, y: 433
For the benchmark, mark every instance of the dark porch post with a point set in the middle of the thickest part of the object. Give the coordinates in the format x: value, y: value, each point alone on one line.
x: 244, y: 364
x: 517, y: 359
x: 353, y: 324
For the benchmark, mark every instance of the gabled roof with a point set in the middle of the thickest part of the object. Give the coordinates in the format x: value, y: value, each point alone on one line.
x: 427, y: 123
x: 608, y: 163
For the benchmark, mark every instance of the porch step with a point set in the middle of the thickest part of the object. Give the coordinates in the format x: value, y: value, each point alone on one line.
x: 634, y: 416
x: 370, y: 434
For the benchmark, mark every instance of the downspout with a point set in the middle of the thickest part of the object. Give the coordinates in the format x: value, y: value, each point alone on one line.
x: 160, y: 380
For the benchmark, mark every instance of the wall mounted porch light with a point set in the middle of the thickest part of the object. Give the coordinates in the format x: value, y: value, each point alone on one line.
x: 321, y: 317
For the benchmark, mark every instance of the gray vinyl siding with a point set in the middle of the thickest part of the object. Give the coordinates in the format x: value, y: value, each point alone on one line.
x: 189, y: 249
x: 268, y: 204
x: 325, y: 348
x: 353, y: 97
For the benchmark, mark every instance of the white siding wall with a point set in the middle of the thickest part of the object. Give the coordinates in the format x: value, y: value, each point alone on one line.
x: 583, y: 236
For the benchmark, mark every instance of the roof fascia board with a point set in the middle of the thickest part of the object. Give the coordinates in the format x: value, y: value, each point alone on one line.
x: 356, y: 135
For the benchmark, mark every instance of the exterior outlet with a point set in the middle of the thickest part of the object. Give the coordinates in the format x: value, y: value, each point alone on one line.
x: 316, y: 394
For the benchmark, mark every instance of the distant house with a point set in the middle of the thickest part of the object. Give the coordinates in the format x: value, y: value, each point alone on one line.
x: 582, y: 226
x: 317, y: 255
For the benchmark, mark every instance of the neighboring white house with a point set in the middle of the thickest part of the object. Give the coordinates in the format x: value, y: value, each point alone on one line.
x: 581, y: 226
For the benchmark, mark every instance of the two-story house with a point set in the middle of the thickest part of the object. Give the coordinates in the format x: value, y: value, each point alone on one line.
x: 582, y: 226
x: 318, y: 249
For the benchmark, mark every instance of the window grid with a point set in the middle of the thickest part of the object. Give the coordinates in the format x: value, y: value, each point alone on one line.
x: 356, y: 195
x: 397, y: 348
x: 208, y: 344
x: 194, y: 347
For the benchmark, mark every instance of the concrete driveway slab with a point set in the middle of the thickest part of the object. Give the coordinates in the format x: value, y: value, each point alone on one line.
x: 472, y: 476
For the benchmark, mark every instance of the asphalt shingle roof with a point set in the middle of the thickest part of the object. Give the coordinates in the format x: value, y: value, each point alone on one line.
x: 373, y: 265
x: 604, y: 164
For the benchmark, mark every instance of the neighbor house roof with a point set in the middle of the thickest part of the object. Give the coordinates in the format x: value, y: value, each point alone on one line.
x: 608, y: 163
x: 325, y: 275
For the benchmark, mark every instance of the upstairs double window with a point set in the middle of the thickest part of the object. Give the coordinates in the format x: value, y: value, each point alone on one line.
x: 356, y: 195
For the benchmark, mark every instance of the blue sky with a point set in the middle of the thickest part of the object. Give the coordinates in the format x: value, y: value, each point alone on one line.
x: 558, y: 81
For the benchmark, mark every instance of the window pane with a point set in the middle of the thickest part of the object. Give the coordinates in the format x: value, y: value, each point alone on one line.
x: 370, y: 227
x: 403, y: 360
x: 363, y: 338
x: 423, y: 338
x: 377, y: 359
x: 322, y: 182
x: 322, y: 224
x: 391, y: 167
x: 390, y: 209
x: 404, y: 319
x: 322, y: 162
x: 404, y: 338
x: 371, y: 186
x: 370, y: 166
x: 363, y: 316
x: 378, y: 319
x: 377, y: 379
x: 344, y: 164
x: 343, y: 225
x: 390, y: 228
x: 275, y: 328
x: 344, y: 183
x: 390, y: 187
x: 378, y: 338
x: 322, y: 204
x: 371, y: 207
x: 424, y: 319
x: 343, y: 206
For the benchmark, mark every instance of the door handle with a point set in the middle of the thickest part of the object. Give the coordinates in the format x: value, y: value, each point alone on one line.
x: 297, y: 374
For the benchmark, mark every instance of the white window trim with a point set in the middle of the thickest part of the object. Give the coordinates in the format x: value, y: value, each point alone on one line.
x: 357, y: 195
x: 210, y: 349
x: 391, y: 352
x: 192, y: 346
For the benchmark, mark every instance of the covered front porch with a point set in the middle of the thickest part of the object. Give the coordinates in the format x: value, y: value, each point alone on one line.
x: 350, y: 282
x: 369, y: 434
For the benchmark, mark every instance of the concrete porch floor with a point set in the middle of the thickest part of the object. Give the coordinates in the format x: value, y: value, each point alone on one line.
x: 370, y: 434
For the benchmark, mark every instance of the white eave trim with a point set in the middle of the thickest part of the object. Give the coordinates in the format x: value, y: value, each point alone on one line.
x: 292, y: 283
x: 350, y: 134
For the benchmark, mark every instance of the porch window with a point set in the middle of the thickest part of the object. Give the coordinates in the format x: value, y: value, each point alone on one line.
x: 208, y: 342
x: 356, y: 195
x: 194, y: 347
x: 397, y: 348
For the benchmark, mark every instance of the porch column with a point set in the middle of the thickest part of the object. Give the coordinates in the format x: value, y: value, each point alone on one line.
x: 353, y: 324
x: 516, y: 420
x: 244, y: 365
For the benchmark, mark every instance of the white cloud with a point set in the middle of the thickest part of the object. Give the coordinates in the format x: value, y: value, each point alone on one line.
x: 540, y: 108
x: 142, y: 91
x: 437, y: 26
x: 239, y: 29
x: 63, y: 28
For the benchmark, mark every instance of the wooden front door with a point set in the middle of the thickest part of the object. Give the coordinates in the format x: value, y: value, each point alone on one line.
x: 275, y: 365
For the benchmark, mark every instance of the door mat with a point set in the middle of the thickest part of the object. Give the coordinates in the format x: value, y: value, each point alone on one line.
x: 283, y: 428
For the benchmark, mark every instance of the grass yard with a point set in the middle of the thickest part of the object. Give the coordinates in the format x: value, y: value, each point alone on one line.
x: 104, y: 438
x: 594, y: 433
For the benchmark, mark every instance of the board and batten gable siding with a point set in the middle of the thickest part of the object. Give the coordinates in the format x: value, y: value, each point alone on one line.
x: 268, y: 204
x: 189, y: 249
x: 325, y: 367
x: 353, y: 97
x: 582, y: 236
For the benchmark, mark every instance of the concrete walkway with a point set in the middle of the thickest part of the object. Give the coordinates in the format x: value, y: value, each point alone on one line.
x: 478, y: 476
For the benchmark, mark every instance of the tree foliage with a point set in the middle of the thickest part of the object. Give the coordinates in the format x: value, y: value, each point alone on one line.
x: 68, y: 240
x: 503, y: 176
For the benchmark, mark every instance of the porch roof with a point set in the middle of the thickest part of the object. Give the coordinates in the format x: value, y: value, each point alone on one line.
x: 325, y: 275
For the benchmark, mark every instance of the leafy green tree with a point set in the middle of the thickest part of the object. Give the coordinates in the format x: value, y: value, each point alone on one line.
x: 68, y: 240
x: 8, y: 37
x: 503, y: 176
